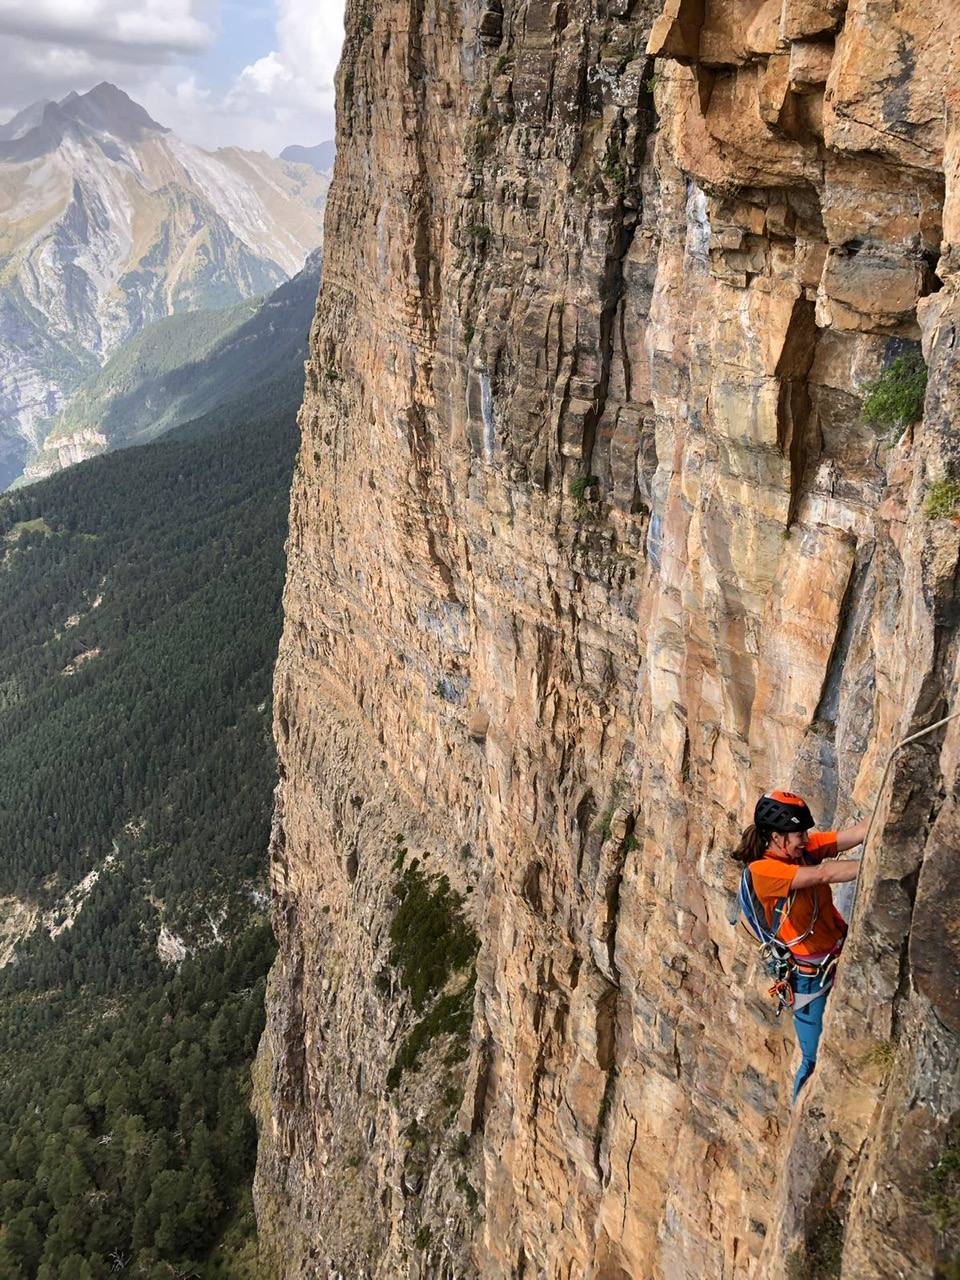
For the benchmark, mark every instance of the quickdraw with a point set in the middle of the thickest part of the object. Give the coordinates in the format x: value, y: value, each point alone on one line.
x: 782, y: 992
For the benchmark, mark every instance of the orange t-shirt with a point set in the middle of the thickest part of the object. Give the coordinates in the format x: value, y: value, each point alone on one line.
x: 772, y: 879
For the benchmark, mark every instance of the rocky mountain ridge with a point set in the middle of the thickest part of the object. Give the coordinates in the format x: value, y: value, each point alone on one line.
x: 320, y: 157
x: 180, y: 368
x: 108, y: 221
x: 592, y: 541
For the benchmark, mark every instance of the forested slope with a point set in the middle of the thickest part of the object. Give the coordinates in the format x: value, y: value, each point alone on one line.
x: 139, y: 617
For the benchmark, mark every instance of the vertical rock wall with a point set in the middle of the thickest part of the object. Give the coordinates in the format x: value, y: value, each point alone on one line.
x: 590, y: 543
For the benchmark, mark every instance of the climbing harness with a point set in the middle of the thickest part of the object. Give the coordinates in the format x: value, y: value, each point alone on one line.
x: 777, y: 956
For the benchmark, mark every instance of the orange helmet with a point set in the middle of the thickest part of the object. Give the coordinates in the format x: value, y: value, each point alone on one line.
x: 782, y: 811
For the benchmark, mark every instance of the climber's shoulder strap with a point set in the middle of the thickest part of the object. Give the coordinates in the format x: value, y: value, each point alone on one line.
x: 754, y: 914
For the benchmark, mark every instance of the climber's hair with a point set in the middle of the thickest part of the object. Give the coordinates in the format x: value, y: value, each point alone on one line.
x: 753, y: 844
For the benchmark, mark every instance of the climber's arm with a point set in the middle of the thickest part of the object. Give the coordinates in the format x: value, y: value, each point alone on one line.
x: 825, y: 873
x: 852, y: 836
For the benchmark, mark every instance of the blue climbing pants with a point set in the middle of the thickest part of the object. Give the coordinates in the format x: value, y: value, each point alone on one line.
x: 808, y: 1022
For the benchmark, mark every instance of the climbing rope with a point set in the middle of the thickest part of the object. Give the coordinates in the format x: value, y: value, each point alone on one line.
x: 904, y: 742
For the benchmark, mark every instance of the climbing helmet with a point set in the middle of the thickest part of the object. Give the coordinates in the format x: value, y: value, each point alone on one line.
x: 782, y: 811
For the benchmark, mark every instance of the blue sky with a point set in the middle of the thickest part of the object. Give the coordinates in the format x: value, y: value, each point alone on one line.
x: 246, y: 33
x: 254, y: 73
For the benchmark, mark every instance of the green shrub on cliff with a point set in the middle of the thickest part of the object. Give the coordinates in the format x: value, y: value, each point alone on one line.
x: 943, y: 1199
x: 430, y: 938
x: 580, y: 485
x: 431, y: 941
x: 894, y: 400
x: 821, y: 1257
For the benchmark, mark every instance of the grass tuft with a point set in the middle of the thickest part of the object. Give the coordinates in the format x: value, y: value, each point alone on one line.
x: 605, y: 823
x: 882, y: 1055
x: 579, y: 487
x: 942, y: 500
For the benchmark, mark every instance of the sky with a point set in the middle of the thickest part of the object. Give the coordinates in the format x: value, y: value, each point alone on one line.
x: 251, y: 73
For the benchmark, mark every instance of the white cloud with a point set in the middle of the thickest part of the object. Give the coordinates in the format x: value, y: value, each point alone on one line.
x: 155, y: 27
x: 296, y: 78
x: 284, y: 96
x: 263, y: 76
x: 53, y: 46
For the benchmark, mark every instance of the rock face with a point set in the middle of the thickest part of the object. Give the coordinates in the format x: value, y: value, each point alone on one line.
x: 590, y: 544
x: 109, y: 221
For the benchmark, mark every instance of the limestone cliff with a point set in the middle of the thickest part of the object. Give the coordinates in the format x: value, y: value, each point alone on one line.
x: 590, y: 543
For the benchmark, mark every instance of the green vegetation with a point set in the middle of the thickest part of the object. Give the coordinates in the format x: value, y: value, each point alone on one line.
x: 479, y: 142
x: 942, y: 500
x: 430, y: 942
x: 894, y: 401
x: 182, y: 544
x: 430, y: 939
x: 822, y: 1255
x: 605, y: 823
x: 468, y: 1191
x: 126, y: 1142
x: 614, y: 170
x: 943, y: 1199
x: 130, y: 1136
x: 882, y: 1055
x: 451, y: 1015
x: 579, y: 487
x: 29, y: 526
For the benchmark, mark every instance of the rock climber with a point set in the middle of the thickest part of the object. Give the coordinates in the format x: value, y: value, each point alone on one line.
x: 791, y: 870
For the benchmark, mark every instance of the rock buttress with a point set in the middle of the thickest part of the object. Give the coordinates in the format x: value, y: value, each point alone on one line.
x: 590, y: 543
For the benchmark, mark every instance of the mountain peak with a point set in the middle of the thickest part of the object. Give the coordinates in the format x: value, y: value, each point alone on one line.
x: 24, y: 121
x: 104, y: 109
x: 108, y: 109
